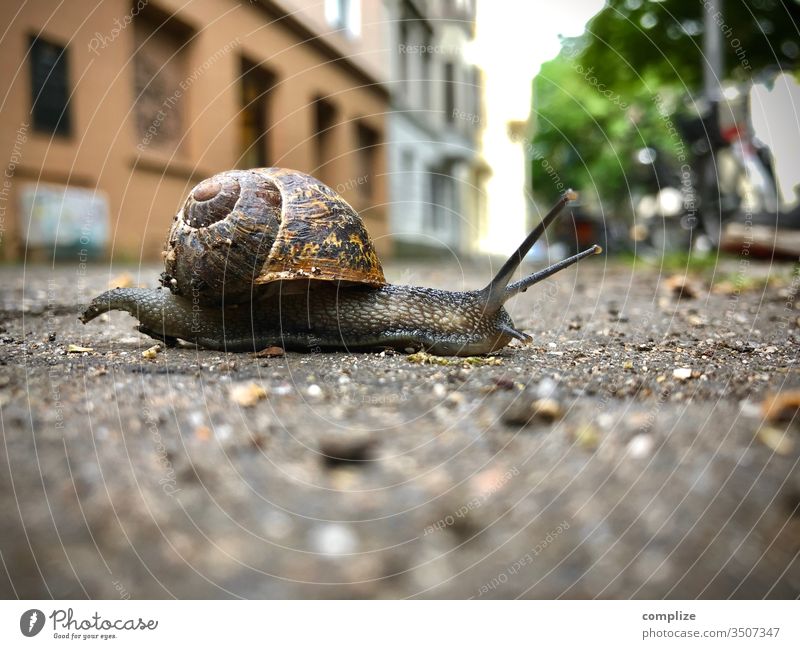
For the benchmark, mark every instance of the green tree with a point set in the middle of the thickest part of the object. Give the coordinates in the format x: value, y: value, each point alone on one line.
x: 629, y: 38
x: 615, y: 89
x: 586, y: 133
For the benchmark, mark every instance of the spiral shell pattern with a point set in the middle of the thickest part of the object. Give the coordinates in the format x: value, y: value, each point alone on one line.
x: 240, y: 233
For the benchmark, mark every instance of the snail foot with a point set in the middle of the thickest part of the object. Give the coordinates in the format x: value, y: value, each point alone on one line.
x: 169, y: 341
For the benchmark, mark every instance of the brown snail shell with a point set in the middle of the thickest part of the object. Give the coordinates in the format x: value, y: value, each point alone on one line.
x: 241, y: 230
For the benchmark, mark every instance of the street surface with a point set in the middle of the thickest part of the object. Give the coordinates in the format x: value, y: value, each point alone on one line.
x: 625, y: 452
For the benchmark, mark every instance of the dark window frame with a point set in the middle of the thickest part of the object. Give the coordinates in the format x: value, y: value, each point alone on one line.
x: 148, y: 23
x: 326, y: 118
x: 450, y: 91
x: 53, y: 117
x: 258, y: 107
x: 368, y: 140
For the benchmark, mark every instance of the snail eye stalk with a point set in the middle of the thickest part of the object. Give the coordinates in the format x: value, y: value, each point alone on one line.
x: 499, y: 290
x: 522, y: 285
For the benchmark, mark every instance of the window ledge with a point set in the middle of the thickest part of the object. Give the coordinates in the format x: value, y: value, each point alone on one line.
x: 168, y: 166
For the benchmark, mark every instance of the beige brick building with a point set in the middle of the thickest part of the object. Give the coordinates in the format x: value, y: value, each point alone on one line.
x: 112, y: 112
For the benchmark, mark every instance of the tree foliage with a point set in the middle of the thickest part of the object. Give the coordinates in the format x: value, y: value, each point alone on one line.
x: 586, y: 134
x: 614, y: 90
x: 629, y: 38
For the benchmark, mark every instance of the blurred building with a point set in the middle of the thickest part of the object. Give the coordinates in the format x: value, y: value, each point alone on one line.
x: 507, y: 105
x: 112, y: 113
x: 510, y: 47
x: 436, y: 175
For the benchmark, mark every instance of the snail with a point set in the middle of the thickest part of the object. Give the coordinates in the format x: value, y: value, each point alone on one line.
x: 273, y: 256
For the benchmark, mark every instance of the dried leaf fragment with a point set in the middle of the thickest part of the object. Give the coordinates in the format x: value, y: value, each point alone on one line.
x: 270, y: 352
x: 424, y: 358
x: 77, y: 349
x: 151, y: 352
x: 782, y: 406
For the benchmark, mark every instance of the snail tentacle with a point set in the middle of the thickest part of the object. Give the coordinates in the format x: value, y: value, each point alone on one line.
x: 526, y: 282
x: 495, y: 292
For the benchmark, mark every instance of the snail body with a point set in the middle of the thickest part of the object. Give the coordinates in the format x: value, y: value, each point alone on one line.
x: 275, y: 257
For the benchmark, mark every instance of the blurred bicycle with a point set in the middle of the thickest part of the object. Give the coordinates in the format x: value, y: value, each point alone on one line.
x: 725, y: 195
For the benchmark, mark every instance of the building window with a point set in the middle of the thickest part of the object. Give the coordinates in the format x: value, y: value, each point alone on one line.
x: 407, y: 164
x: 425, y: 67
x: 443, y: 204
x: 368, y: 143
x: 50, y: 107
x: 344, y: 15
x: 254, y: 116
x: 449, y: 91
x: 402, y: 42
x: 476, y: 93
x: 325, y: 119
x: 437, y: 202
x: 160, y: 68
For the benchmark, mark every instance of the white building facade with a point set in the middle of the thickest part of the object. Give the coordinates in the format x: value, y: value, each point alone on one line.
x: 436, y: 176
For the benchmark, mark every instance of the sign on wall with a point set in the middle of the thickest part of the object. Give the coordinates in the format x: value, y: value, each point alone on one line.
x: 64, y: 218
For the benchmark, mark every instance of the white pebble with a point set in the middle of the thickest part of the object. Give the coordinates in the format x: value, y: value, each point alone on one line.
x: 682, y: 373
x: 333, y: 539
x: 546, y: 388
x: 640, y: 446
x: 605, y: 420
x: 196, y: 419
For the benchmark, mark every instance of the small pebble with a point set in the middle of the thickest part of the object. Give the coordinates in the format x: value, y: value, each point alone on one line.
x: 782, y: 406
x: 196, y: 418
x: 333, y: 539
x: 640, y: 446
x: 546, y: 389
x: 780, y: 441
x: 587, y: 436
x: 682, y: 373
x: 680, y: 287
x: 354, y: 451
x: 247, y: 395
x: 548, y: 409
x: 523, y: 409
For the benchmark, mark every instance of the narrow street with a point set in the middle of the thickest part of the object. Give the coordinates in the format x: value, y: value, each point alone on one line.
x: 624, y: 453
